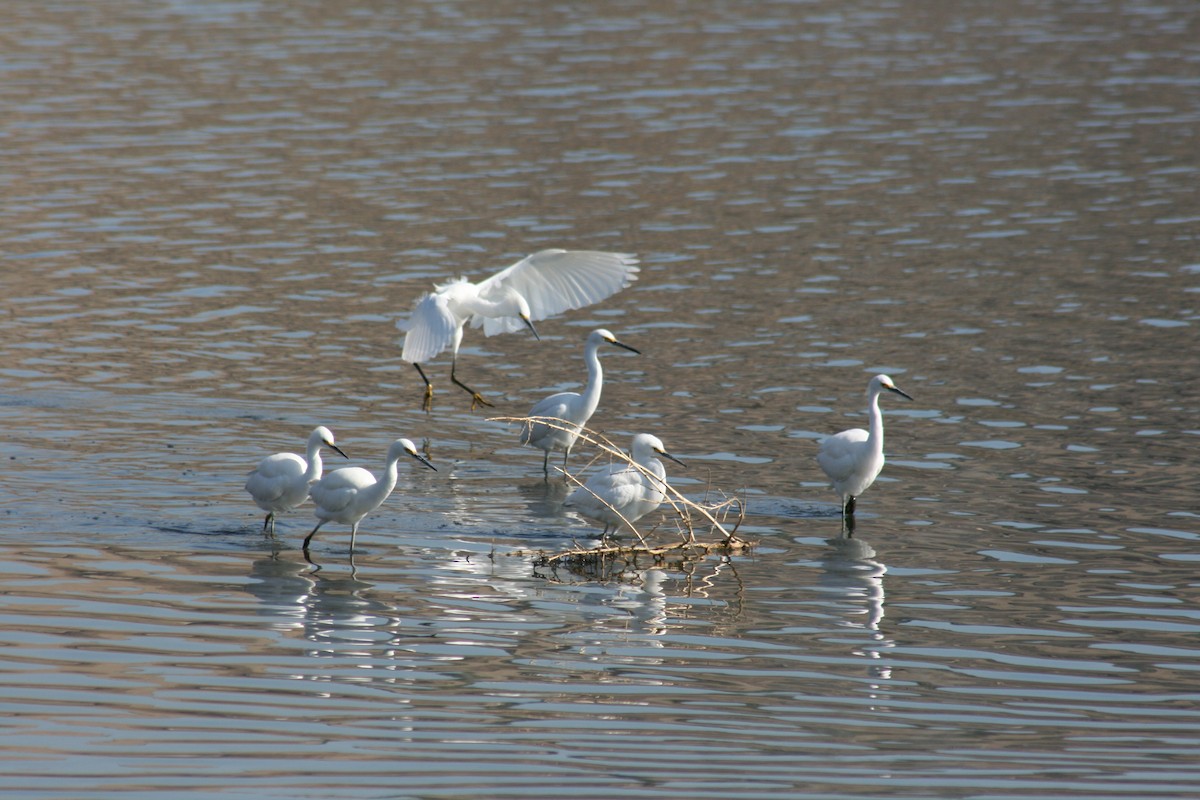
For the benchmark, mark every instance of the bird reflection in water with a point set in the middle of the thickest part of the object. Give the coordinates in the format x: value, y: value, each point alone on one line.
x: 340, y: 615
x: 851, y: 572
x: 544, y: 498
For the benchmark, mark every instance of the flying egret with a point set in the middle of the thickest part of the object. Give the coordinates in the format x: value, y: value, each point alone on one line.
x: 348, y: 494
x: 622, y: 493
x: 571, y: 409
x: 853, y: 459
x: 280, y: 482
x: 538, y: 286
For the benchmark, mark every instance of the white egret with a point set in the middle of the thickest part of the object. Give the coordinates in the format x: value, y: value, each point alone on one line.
x: 853, y: 459
x: 348, y: 494
x: 538, y: 286
x: 280, y: 482
x: 622, y: 493
x: 571, y: 409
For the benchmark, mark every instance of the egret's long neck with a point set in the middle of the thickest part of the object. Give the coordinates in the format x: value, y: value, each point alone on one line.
x: 654, y: 489
x: 595, y: 379
x: 656, y: 466
x: 875, y: 429
x: 383, y: 487
x: 313, y: 471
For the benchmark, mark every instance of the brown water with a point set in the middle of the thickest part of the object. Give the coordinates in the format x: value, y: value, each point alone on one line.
x: 215, y: 213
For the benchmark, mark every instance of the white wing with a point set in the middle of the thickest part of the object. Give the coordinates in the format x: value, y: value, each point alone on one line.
x: 839, y: 453
x: 619, y: 486
x: 554, y: 281
x: 276, y: 476
x: 430, y: 328
x: 336, y: 491
x: 556, y: 406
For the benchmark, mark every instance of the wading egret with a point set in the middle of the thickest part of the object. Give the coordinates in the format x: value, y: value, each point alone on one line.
x: 571, y: 409
x: 348, y: 494
x: 280, y: 482
x: 538, y: 286
x: 852, y: 459
x: 623, y: 493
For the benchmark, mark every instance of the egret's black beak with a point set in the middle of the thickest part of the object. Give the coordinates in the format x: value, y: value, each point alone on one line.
x: 529, y: 324
x: 422, y: 459
x: 899, y: 392
x: 627, y: 347
x: 665, y: 454
x: 336, y: 449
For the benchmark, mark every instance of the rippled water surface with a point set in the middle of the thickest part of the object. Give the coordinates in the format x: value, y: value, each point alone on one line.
x: 214, y: 213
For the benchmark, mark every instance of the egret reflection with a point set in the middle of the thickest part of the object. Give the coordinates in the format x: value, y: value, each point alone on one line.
x: 851, y: 571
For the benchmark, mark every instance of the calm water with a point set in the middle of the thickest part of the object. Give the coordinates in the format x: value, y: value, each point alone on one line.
x: 215, y: 212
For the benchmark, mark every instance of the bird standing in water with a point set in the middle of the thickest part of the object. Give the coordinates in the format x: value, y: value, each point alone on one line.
x: 623, y: 493
x: 281, y: 481
x: 571, y: 409
x: 348, y: 494
x: 536, y: 287
x: 853, y: 458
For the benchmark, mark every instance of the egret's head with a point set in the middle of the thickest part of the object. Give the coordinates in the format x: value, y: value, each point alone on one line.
x: 523, y: 311
x: 645, y: 444
x: 885, y: 382
x: 325, y: 437
x: 406, y: 446
x: 600, y: 335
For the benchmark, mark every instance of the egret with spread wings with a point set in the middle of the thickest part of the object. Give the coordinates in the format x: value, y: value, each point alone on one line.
x: 536, y: 287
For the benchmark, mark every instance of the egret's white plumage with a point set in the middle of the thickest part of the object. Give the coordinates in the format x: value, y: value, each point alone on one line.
x: 853, y: 459
x: 622, y: 493
x: 571, y: 409
x: 536, y: 287
x: 281, y: 481
x: 347, y: 495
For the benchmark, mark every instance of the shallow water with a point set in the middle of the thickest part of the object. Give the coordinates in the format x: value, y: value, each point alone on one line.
x: 216, y: 212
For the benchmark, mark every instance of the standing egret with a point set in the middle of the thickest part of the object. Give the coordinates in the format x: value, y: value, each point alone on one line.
x: 853, y: 459
x: 538, y: 286
x: 280, y: 482
x: 571, y: 409
x: 348, y: 494
x: 623, y: 494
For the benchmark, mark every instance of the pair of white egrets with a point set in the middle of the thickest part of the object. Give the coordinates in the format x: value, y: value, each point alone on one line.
x: 283, y: 481
x: 541, y: 285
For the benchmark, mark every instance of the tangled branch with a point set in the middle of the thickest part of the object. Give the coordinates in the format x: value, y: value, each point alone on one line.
x: 690, y: 516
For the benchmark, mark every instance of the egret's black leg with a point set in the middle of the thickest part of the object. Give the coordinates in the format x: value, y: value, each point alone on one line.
x: 476, y: 397
x: 427, y: 404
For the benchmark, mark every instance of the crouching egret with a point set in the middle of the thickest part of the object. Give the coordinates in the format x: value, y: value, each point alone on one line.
x: 538, y: 286
x: 571, y: 409
x: 280, y: 482
x: 853, y: 459
x: 623, y: 494
x: 348, y: 494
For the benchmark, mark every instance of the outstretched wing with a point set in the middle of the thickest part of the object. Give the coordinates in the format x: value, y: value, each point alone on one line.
x: 554, y: 281
x: 430, y: 328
